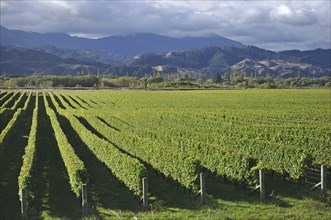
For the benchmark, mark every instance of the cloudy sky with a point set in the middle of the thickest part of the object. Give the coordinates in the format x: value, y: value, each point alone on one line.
x: 270, y: 24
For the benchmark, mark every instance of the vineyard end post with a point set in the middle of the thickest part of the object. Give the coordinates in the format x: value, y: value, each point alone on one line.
x: 202, y: 188
x: 84, y: 199
x: 24, y: 205
x: 145, y: 192
x: 262, y: 184
x: 323, y: 179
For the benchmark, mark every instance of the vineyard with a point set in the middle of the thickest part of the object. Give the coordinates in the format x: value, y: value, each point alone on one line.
x: 51, y: 143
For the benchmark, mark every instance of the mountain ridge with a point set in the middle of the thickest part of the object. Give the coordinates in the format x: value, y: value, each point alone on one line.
x: 208, y: 62
x: 124, y: 45
x: 142, y: 54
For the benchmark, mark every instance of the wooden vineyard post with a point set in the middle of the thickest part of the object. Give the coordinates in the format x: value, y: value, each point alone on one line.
x: 84, y: 199
x: 145, y: 192
x: 202, y: 188
x: 262, y: 184
x: 24, y: 205
x: 323, y: 179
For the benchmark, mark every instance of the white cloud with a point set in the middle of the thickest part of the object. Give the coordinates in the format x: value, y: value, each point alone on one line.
x: 262, y: 23
x: 297, y: 16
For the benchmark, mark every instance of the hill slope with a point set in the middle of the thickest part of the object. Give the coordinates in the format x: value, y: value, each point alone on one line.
x: 22, y: 61
x: 249, y: 59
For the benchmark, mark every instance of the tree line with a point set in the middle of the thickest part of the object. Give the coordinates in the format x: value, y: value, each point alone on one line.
x: 233, y: 80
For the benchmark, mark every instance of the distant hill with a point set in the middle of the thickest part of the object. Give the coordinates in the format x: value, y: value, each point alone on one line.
x: 207, y: 62
x: 23, y: 61
x: 250, y: 59
x: 118, y: 45
x: 278, y: 68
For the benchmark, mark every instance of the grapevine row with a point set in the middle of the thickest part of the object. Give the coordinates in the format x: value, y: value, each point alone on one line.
x: 75, y: 167
x: 181, y: 156
x: 7, y: 131
x: 13, y: 119
x: 219, y: 152
x: 2, y: 94
x: 9, y: 102
x: 24, y: 178
x: 25, y: 107
x: 173, y: 163
x: 17, y: 102
x: 127, y: 169
x: 4, y: 98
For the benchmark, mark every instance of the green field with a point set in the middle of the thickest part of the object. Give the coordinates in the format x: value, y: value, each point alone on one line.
x: 53, y: 142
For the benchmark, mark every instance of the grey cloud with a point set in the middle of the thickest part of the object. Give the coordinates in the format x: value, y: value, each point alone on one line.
x: 271, y: 23
x: 252, y: 15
